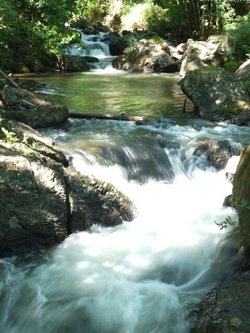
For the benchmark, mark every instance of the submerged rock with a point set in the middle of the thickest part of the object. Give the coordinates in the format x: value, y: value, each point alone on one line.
x: 41, y: 200
x: 217, y: 152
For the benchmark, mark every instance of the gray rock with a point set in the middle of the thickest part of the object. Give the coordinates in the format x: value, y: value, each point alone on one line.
x: 243, y: 72
x: 199, y: 54
x: 216, y: 93
x: 217, y: 152
x: 14, y: 97
x: 39, y: 118
x: 145, y: 56
x: 226, y: 308
x: 42, y: 201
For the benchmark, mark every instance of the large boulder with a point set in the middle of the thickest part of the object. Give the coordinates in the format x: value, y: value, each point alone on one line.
x: 26, y: 107
x: 216, y: 93
x: 241, y: 197
x: 197, y: 54
x: 42, y: 201
x: 146, y: 56
x: 13, y: 97
x: 47, y: 116
x: 243, y: 72
x: 116, y: 42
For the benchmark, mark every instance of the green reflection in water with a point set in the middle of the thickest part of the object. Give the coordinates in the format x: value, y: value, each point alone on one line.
x: 118, y: 92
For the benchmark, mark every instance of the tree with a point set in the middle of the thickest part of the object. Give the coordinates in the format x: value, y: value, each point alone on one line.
x: 31, y: 29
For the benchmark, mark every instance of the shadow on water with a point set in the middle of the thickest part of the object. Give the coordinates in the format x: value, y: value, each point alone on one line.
x: 117, y: 92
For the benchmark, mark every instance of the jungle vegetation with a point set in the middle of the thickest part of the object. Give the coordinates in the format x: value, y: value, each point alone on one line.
x: 37, y: 30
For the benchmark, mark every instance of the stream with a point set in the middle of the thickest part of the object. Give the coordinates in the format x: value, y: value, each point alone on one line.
x: 144, y: 276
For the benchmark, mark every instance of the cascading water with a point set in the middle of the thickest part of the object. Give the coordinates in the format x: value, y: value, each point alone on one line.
x: 139, y: 277
x: 92, y: 46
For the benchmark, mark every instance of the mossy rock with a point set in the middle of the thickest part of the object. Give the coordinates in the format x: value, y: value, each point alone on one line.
x: 241, y: 194
x: 216, y: 93
x: 39, y: 118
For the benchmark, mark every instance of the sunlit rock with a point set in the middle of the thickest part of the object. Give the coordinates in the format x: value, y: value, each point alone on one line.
x: 197, y: 54
x: 216, y: 93
x: 145, y: 56
x: 41, y: 200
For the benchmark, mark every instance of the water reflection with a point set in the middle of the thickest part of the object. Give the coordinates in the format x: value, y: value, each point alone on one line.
x: 117, y: 92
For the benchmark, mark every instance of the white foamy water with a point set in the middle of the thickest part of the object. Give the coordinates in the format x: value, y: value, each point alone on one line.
x: 143, y: 276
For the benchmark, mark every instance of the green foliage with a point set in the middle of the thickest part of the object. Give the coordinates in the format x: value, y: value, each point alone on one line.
x: 30, y: 28
x: 156, y: 40
x: 157, y: 19
x: 226, y: 223
x: 28, y: 143
x: 240, y: 206
x: 239, y: 38
x: 9, y: 136
x: 231, y: 64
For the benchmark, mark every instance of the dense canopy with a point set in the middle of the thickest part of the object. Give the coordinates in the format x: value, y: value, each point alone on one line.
x: 35, y: 31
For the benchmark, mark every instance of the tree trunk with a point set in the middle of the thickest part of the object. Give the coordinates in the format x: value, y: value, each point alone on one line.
x: 8, y: 79
x: 121, y: 116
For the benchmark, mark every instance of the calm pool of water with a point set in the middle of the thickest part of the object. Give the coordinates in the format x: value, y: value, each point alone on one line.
x: 116, y: 92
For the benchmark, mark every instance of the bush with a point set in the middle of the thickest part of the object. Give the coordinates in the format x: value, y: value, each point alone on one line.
x: 239, y: 39
x: 230, y: 64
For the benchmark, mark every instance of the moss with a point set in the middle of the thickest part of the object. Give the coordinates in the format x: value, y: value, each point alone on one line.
x: 241, y: 192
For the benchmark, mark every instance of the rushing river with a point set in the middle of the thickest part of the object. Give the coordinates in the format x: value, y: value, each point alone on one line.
x: 145, y: 276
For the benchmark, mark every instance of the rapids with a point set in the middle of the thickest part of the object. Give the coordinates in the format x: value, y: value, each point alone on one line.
x: 145, y: 276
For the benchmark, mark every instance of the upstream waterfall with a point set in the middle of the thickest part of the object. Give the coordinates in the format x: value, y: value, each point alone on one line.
x: 144, y: 276
x: 92, y: 46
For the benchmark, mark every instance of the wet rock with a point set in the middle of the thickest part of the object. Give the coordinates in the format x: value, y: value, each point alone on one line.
x: 96, y: 202
x: 217, y: 153
x: 15, y: 97
x: 41, y: 200
x: 26, y: 107
x: 242, y: 119
x: 116, y: 42
x: 226, y: 308
x: 241, y: 197
x: 32, y: 200
x: 72, y: 63
x: 216, y: 93
x: 30, y: 84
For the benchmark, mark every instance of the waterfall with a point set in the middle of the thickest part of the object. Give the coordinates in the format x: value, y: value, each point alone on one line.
x: 139, y: 277
x: 91, y: 46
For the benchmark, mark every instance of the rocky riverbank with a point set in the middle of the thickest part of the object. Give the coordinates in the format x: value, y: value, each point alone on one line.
x: 43, y: 200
